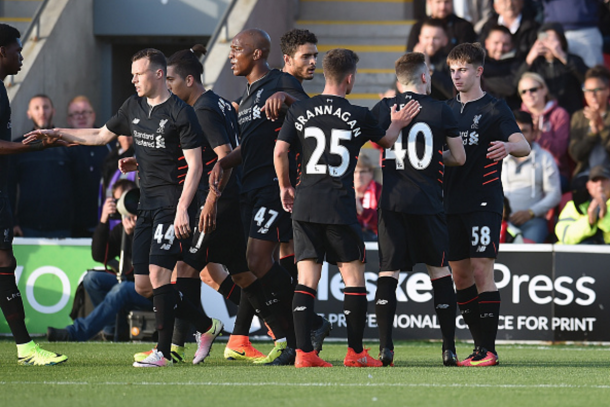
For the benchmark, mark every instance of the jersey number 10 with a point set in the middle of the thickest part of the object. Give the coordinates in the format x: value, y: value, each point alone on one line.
x: 398, y: 153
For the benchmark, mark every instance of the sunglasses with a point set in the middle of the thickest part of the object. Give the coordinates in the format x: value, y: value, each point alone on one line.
x: 530, y: 90
x: 596, y: 90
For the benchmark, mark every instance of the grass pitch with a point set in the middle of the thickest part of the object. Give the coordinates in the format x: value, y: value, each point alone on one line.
x: 100, y: 374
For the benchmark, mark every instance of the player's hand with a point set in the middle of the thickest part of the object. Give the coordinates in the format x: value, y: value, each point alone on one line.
x: 287, y: 197
x: 17, y: 232
x: 273, y: 105
x: 520, y: 217
x: 214, y: 180
x: 108, y: 209
x: 406, y: 114
x: 129, y: 224
x: 128, y: 164
x: 182, y: 228
x: 41, y: 134
x: 498, y: 150
x: 207, y: 218
x: 51, y: 142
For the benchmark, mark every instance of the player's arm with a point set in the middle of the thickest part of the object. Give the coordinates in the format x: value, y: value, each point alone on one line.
x: 231, y: 160
x: 516, y: 146
x: 456, y: 155
x: 207, y: 219
x: 88, y: 137
x: 400, y: 119
x: 280, y: 160
x: 194, y: 162
x: 10, y: 147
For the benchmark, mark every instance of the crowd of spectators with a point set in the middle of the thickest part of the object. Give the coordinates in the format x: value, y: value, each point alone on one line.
x: 545, y: 58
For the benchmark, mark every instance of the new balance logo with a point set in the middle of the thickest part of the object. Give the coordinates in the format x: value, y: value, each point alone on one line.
x: 347, y: 312
x: 165, y: 246
x: 300, y: 309
x: 481, y: 248
x: 135, y: 121
x: 381, y: 302
x: 263, y: 230
x: 442, y: 306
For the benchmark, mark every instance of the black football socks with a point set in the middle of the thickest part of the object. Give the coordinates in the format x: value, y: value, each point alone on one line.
x: 303, y: 311
x: 445, y: 305
x: 385, y: 309
x: 354, y: 308
x: 489, y: 309
x: 468, y: 301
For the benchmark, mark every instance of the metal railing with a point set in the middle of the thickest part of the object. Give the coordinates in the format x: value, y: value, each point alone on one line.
x: 223, y: 24
x: 34, y: 25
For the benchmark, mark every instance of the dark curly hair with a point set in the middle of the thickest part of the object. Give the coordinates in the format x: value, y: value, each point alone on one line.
x: 291, y: 40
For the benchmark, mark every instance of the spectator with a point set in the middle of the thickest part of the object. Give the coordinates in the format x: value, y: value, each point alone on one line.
x: 88, y: 169
x: 458, y: 30
x: 368, y: 192
x: 509, y: 233
x: 474, y: 11
x: 501, y: 66
x: 531, y: 184
x: 563, y: 72
x: 590, y: 127
x: 588, y: 222
x: 432, y: 41
x: 579, y: 19
x: 42, y: 185
x: 107, y: 295
x: 551, y: 122
x: 110, y: 169
x: 520, y: 22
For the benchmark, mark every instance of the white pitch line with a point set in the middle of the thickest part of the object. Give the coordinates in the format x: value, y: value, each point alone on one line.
x: 263, y: 384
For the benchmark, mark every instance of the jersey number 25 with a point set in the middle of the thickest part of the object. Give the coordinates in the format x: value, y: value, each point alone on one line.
x: 399, y: 152
x: 313, y: 165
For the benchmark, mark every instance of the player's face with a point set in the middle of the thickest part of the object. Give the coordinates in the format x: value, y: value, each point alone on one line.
x: 528, y: 132
x: 465, y: 76
x: 81, y: 115
x: 433, y: 39
x: 176, y: 84
x: 497, y: 44
x: 303, y: 64
x: 596, y: 93
x: 241, y: 56
x: 533, y: 94
x: 12, y: 57
x: 143, y: 77
x: 41, y: 111
x: 440, y: 8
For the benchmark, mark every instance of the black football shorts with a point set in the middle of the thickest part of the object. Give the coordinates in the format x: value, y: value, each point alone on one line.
x: 6, y: 224
x: 225, y: 245
x: 336, y: 243
x: 474, y: 235
x: 154, y: 240
x: 264, y: 217
x: 408, y: 239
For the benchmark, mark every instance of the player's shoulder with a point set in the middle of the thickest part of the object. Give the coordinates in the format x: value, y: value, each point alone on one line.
x: 285, y: 80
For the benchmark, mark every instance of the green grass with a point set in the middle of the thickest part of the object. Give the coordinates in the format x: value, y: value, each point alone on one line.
x: 100, y: 374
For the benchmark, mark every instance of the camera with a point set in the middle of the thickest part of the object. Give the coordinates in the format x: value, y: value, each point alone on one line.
x: 127, y: 205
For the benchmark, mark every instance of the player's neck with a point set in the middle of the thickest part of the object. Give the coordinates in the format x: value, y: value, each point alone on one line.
x: 285, y: 69
x: 420, y: 90
x: 257, y: 72
x: 334, y: 90
x: 160, y: 96
x: 196, y: 94
x: 473, y: 94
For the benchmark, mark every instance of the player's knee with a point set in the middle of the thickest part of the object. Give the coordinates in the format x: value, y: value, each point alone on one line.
x: 243, y: 279
x: 259, y: 264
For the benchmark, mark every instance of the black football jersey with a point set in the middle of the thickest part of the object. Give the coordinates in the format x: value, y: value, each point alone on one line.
x: 413, y: 168
x: 331, y: 132
x: 477, y: 185
x: 5, y: 135
x: 218, y: 120
x: 258, y: 135
x: 160, y: 133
